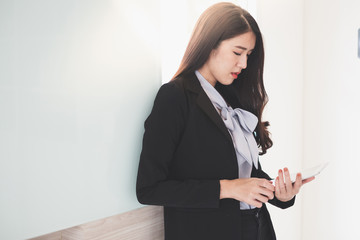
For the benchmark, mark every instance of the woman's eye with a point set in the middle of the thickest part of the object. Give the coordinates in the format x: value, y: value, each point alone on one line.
x: 238, y: 54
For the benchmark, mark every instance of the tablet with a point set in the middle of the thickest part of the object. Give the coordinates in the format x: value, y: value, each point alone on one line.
x: 310, y: 172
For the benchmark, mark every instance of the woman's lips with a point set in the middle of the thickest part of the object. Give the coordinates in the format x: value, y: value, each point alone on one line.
x: 235, y: 74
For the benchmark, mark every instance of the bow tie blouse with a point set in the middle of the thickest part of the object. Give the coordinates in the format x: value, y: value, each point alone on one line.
x: 241, y: 125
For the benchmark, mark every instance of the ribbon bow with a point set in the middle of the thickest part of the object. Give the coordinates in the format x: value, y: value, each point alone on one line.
x: 239, y: 122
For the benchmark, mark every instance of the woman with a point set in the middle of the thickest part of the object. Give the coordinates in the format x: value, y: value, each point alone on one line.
x: 201, y: 142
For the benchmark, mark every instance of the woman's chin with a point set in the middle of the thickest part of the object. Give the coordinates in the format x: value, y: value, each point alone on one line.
x: 227, y: 81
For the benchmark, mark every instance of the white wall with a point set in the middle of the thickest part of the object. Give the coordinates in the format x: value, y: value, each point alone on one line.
x: 331, y: 128
x: 281, y: 22
x: 312, y: 75
x: 77, y: 80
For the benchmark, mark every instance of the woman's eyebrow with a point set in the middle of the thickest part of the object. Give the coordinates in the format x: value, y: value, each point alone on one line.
x: 243, y: 48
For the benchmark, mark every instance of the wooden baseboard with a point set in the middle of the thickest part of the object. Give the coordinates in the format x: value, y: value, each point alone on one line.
x: 145, y: 223
x: 50, y: 236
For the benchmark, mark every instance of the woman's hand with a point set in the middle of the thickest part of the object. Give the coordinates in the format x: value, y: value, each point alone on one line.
x: 285, y: 190
x: 253, y: 191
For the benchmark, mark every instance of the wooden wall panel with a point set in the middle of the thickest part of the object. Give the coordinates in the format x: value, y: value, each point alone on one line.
x: 145, y: 223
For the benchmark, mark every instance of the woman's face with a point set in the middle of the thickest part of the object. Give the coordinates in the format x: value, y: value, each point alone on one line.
x: 228, y: 59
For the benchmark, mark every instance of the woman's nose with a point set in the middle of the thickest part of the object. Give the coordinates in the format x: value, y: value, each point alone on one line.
x: 242, y: 63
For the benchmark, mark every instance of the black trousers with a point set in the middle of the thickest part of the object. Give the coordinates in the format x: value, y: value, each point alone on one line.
x: 253, y: 224
x: 257, y: 225
x: 250, y: 224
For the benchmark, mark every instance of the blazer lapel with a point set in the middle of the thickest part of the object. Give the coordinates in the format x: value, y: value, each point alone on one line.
x: 205, y: 104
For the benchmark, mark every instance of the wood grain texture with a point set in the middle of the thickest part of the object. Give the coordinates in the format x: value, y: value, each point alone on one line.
x: 145, y: 223
x: 50, y: 236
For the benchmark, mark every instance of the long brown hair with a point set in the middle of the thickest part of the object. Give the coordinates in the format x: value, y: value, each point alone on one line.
x: 219, y: 22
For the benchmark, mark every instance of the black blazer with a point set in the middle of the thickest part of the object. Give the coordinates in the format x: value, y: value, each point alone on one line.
x: 186, y: 150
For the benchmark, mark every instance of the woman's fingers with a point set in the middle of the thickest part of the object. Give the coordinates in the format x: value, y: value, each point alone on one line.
x: 281, y: 182
x: 267, y: 185
x: 308, y: 180
x: 263, y: 191
x: 285, y: 189
x: 261, y: 198
x: 253, y: 191
x: 297, y: 183
x: 268, y: 193
x: 255, y: 203
x: 277, y: 185
x: 266, y: 188
x: 288, y: 182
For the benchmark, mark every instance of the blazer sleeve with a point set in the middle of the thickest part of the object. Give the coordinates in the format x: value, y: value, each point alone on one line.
x: 276, y: 202
x: 163, y: 131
